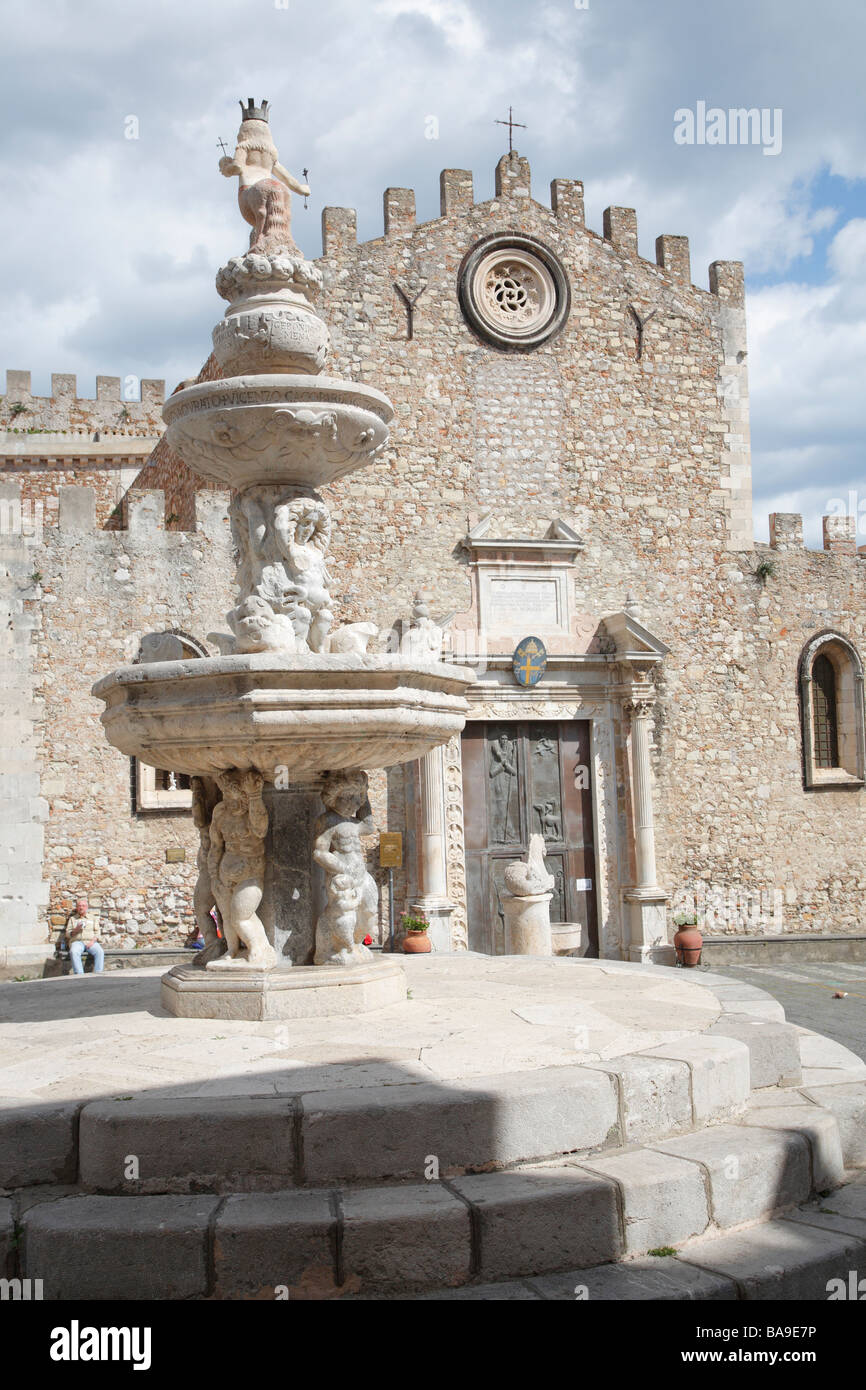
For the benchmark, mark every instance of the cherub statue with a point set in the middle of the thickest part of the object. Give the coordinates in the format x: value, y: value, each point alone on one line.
x: 341, y: 928
x: 265, y: 191
x: 337, y: 849
x: 205, y: 797
x: 303, y: 532
x: 236, y: 864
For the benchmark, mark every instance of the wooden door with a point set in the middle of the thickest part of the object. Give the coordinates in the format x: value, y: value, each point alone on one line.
x: 521, y: 779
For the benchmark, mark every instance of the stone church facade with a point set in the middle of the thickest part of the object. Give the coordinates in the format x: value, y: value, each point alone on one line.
x: 570, y: 463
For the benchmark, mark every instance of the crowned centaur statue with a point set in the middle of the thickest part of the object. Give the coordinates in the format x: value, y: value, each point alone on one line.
x: 265, y: 192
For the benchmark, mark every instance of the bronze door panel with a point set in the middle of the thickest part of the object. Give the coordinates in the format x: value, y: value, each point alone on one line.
x: 522, y: 779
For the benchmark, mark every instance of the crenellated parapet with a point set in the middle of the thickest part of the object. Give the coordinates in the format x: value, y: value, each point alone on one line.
x: 513, y: 188
x: 126, y: 408
x: 839, y: 534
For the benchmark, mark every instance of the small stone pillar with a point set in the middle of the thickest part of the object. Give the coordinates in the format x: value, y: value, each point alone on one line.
x: 432, y: 901
x: 527, y: 924
x: 648, y: 942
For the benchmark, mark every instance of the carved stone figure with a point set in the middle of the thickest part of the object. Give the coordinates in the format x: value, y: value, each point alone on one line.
x: 265, y: 191
x: 423, y: 638
x: 205, y: 798
x: 257, y: 628
x: 347, y: 808
x: 526, y: 904
x: 352, y: 638
x: 303, y: 532
x: 282, y: 545
x: 526, y: 879
x: 236, y: 864
x: 342, y: 926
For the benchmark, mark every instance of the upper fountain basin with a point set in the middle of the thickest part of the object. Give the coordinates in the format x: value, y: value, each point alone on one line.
x: 304, y: 714
x: 289, y: 429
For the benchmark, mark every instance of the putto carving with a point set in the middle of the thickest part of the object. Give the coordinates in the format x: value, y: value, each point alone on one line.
x: 422, y: 638
x: 205, y: 798
x: 236, y: 865
x: 352, y: 907
x: 282, y: 544
x: 265, y: 191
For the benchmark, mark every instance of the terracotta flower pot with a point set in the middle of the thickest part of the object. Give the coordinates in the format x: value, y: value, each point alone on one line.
x: 416, y: 943
x: 688, y: 944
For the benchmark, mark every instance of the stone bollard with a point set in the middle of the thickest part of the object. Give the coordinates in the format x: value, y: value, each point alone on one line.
x: 527, y: 924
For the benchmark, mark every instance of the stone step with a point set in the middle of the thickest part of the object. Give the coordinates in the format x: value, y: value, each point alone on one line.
x: 264, y: 1143
x: 352, y: 1135
x: 402, y: 1238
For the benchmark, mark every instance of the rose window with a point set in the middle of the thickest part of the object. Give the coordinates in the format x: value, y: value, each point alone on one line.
x: 514, y: 291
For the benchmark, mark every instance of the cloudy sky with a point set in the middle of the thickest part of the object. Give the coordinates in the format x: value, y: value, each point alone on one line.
x: 110, y: 244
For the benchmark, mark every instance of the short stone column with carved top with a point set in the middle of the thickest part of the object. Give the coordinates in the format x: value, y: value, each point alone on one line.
x: 646, y: 901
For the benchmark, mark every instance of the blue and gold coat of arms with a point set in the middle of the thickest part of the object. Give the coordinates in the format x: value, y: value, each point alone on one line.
x: 529, y: 662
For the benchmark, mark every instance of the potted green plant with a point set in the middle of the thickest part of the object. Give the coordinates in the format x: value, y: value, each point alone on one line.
x: 416, y: 942
x: 688, y: 941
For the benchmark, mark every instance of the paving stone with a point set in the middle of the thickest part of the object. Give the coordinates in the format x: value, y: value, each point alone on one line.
x: 848, y: 1103
x: 774, y: 1048
x: 752, y: 1172
x: 511, y: 1291
x: 819, y: 1127
x: 119, y: 1247
x: 656, y: 1096
x: 720, y: 1073
x: 405, y: 1237
x: 818, y: 1051
x: 531, y: 1223
x: 779, y: 1260
x: 37, y: 1142
x: 651, y: 1277
x: 842, y: 1210
x: 181, y: 1144
x: 664, y: 1200
x: 266, y: 1241
x: 509, y: 1118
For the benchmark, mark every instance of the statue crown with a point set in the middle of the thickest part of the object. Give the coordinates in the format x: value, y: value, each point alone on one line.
x: 251, y: 112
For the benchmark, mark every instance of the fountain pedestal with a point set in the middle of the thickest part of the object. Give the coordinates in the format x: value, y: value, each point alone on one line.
x: 315, y: 991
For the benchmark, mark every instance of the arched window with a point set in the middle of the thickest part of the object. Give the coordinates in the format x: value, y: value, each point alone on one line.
x: 158, y: 788
x: 831, y: 709
x: 825, y: 743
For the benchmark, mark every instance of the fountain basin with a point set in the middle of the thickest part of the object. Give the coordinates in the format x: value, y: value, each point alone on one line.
x: 293, y: 430
x: 268, y: 711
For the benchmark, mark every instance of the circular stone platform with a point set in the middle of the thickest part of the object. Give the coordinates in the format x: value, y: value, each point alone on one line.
x: 467, y: 1016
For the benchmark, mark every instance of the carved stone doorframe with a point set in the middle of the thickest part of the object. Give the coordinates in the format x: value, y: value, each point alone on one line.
x: 602, y: 715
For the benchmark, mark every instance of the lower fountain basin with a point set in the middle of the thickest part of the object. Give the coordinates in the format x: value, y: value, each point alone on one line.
x: 294, y: 716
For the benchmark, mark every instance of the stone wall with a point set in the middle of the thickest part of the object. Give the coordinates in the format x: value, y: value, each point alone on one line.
x: 90, y: 596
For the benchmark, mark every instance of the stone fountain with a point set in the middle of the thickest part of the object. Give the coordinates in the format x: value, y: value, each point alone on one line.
x: 278, y: 731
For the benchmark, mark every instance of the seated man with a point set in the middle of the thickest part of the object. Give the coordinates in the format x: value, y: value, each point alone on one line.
x: 78, y: 931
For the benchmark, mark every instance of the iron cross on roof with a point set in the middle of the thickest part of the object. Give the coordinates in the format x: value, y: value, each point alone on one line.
x: 511, y: 123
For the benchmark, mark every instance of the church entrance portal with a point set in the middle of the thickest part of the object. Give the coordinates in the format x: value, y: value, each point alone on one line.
x: 522, y: 779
